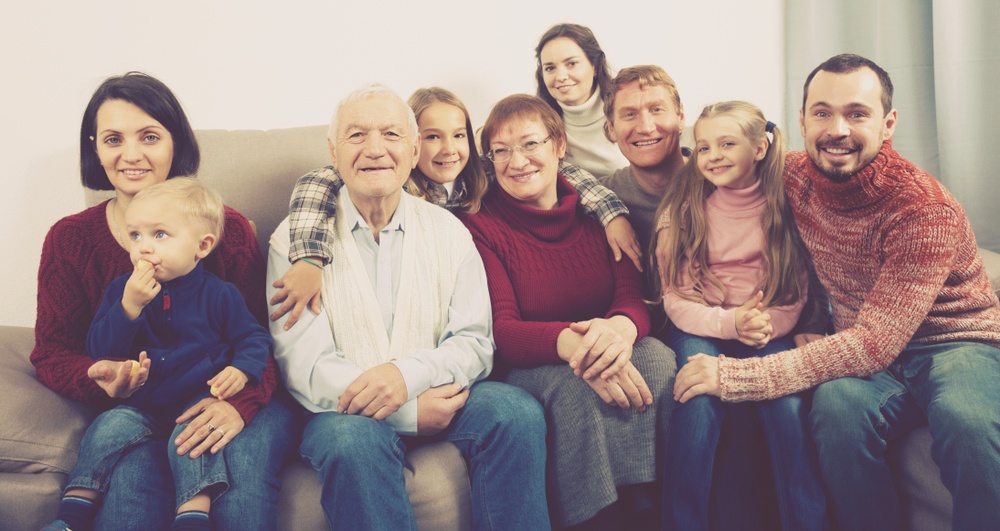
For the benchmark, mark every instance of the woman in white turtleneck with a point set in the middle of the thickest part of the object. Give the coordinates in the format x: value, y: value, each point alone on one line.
x: 572, y: 74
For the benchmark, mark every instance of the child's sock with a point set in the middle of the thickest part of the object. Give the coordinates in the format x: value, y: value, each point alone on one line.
x: 76, y: 513
x: 191, y: 521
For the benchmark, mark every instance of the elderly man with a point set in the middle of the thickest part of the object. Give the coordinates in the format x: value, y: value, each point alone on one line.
x: 917, y: 324
x: 406, y: 333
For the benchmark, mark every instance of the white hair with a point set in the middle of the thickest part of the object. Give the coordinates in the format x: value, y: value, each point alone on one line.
x: 369, y: 91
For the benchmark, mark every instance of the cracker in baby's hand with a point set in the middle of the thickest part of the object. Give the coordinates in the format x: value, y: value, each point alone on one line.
x: 214, y: 390
x: 135, y: 370
x: 142, y: 265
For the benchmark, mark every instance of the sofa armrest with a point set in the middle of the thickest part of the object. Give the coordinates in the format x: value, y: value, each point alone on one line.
x: 992, y: 262
x: 39, y: 429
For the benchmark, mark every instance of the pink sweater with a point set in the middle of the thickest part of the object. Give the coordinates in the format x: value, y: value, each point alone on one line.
x: 896, y: 253
x: 735, y: 239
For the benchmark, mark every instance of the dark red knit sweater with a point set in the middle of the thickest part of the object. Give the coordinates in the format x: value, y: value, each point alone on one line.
x: 896, y: 253
x: 546, y: 269
x: 80, y: 257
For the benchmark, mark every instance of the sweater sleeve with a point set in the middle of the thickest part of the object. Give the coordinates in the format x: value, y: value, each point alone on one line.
x: 251, y: 342
x: 520, y: 343
x: 314, y: 201
x: 241, y: 263
x: 695, y: 317
x: 919, y: 251
x: 597, y: 200
x: 63, y: 318
x: 112, y: 332
x: 628, y: 299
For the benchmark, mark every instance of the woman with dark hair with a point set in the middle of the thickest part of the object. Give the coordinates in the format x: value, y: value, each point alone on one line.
x: 570, y: 324
x: 135, y: 134
x: 573, y: 76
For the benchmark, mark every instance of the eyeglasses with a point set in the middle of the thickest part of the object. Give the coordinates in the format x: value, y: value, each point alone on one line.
x: 505, y: 153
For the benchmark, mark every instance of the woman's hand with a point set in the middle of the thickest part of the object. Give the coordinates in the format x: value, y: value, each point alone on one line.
x: 120, y: 378
x: 626, y: 389
x: 300, y: 286
x: 605, y: 346
x: 215, y: 423
x: 622, y: 239
x: 699, y: 376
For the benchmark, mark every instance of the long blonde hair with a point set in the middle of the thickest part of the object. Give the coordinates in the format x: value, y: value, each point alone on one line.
x: 784, y: 260
x: 472, y: 175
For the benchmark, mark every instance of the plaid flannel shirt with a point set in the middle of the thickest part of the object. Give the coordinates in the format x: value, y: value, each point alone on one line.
x: 314, y: 201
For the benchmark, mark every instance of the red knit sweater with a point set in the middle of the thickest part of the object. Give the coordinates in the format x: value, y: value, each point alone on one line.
x: 547, y: 269
x: 80, y: 257
x: 896, y: 253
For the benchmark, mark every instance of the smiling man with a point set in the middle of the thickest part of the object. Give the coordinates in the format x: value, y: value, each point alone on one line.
x: 917, y: 323
x: 405, y: 335
x: 645, y: 118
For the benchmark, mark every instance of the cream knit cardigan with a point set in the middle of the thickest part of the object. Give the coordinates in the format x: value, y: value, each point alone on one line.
x: 434, y: 245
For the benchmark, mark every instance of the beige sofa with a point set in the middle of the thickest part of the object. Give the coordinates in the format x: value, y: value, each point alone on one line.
x: 255, y: 171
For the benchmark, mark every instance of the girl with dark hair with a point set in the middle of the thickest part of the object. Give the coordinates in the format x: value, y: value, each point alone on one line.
x: 573, y: 76
x: 135, y: 134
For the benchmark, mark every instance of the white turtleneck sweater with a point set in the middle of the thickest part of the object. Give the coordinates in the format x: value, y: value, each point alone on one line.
x: 588, y: 147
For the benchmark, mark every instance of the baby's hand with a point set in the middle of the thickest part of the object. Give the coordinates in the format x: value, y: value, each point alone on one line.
x: 227, y: 383
x: 140, y: 288
x: 299, y: 287
x: 753, y: 324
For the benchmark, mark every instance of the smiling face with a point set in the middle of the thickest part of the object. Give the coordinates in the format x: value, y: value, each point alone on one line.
x: 529, y: 178
x: 726, y: 157
x: 568, y: 74
x: 843, y: 122
x: 646, y: 125
x: 161, y: 235
x: 135, y: 150
x: 374, y: 148
x: 444, y: 142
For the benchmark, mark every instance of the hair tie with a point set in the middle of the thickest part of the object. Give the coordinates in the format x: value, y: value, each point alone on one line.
x: 769, y: 127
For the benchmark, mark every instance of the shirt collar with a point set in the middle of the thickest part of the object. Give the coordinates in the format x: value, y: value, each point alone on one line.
x: 355, y: 221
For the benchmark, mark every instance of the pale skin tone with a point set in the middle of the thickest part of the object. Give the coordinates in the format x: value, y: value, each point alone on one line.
x: 374, y: 151
x: 137, y: 151
x: 598, y: 350
x: 844, y: 125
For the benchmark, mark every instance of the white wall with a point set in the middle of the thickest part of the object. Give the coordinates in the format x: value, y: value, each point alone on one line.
x: 253, y: 64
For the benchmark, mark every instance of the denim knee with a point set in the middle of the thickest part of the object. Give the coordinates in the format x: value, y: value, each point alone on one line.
x: 350, y: 442
x: 510, y: 408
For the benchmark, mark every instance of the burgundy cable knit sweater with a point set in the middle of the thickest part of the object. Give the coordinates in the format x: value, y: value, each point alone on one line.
x: 547, y: 269
x: 80, y: 257
x: 896, y: 253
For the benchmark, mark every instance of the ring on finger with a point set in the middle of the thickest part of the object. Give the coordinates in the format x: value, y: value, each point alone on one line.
x: 211, y: 428
x: 220, y: 432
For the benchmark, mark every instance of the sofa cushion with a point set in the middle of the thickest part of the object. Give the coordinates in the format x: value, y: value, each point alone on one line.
x: 41, y: 430
x: 992, y: 262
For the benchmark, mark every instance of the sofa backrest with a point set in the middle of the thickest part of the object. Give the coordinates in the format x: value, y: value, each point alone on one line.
x: 255, y: 170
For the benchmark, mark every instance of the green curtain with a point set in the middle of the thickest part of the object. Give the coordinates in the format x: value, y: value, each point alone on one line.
x: 944, y: 60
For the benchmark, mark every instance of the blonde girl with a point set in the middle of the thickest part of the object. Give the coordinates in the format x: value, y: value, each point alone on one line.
x: 734, y: 283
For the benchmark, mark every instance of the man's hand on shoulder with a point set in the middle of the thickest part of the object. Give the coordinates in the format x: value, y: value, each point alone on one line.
x: 377, y: 393
x: 437, y: 406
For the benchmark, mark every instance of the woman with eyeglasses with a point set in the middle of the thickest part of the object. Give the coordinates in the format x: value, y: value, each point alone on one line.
x: 570, y: 325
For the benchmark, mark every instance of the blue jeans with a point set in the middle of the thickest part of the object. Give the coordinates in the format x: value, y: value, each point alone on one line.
x: 117, y: 430
x: 141, y: 487
x: 694, y: 437
x: 953, y: 387
x: 500, y: 432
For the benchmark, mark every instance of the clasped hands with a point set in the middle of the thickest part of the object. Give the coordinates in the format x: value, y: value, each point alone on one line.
x: 600, y: 352
x: 381, y: 391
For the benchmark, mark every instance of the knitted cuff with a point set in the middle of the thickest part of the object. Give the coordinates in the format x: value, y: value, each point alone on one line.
x: 741, y: 380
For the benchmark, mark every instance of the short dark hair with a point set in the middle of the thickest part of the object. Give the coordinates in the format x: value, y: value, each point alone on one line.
x: 585, y: 39
x: 846, y: 63
x: 156, y: 100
